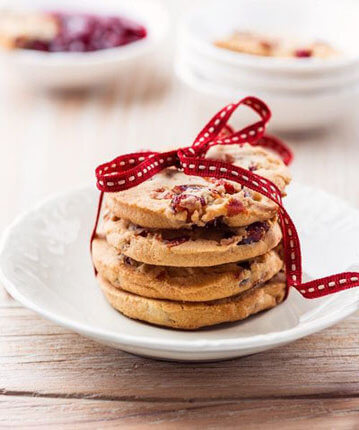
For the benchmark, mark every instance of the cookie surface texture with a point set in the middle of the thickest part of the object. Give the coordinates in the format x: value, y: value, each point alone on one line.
x: 173, y: 200
x: 185, y: 283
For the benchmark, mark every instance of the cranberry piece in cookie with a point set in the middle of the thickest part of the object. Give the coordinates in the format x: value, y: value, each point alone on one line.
x: 255, y: 233
x: 235, y: 207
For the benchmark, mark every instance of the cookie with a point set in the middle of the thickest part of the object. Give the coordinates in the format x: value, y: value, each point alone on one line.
x: 217, y: 244
x: 17, y: 29
x: 193, y: 315
x: 247, y: 42
x: 184, y: 283
x: 173, y: 200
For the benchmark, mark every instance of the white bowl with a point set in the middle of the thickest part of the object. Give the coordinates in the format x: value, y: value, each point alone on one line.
x: 250, y: 77
x: 302, y: 93
x: 290, y: 110
x: 301, y: 19
x: 72, y: 69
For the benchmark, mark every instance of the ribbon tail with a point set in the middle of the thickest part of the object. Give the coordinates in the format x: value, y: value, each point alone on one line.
x: 328, y: 285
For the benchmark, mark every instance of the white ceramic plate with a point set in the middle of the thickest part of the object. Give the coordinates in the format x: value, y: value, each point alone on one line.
x: 45, y: 265
x: 78, y: 69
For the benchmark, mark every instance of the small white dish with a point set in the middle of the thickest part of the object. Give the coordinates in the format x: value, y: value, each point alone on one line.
x: 291, y: 110
x: 298, y: 19
x: 230, y: 74
x: 78, y: 69
x: 45, y: 265
x: 304, y: 93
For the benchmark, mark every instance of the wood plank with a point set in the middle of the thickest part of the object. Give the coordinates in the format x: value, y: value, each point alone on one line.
x: 38, y: 357
x: 26, y: 413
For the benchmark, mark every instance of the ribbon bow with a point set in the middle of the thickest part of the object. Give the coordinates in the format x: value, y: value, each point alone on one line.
x: 129, y: 170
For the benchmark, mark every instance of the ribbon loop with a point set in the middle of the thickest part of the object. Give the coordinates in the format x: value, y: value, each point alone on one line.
x: 213, y: 128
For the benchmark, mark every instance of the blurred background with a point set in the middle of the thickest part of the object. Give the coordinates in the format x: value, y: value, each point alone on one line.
x: 62, y: 116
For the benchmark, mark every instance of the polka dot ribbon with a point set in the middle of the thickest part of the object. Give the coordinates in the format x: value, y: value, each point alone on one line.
x: 129, y: 170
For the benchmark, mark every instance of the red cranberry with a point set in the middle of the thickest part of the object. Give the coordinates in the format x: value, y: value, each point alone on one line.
x: 303, y: 53
x: 37, y: 45
x: 255, y: 232
x: 228, y: 187
x: 234, y: 207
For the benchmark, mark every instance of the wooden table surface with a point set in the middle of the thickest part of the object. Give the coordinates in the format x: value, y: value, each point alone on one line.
x: 52, y: 378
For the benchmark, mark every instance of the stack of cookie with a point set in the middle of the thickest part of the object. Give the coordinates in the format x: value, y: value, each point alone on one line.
x: 187, y: 252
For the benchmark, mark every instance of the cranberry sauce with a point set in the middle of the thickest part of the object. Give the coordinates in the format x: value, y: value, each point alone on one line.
x: 86, y: 33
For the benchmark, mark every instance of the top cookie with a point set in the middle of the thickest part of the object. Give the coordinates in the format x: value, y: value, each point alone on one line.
x: 172, y: 199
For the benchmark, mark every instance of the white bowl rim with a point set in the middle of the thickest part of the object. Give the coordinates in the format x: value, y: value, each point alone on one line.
x: 308, y: 65
x: 109, y: 55
x: 212, y: 88
x: 271, y: 82
x: 270, y: 339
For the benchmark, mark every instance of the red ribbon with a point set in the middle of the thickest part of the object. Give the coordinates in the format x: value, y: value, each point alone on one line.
x: 127, y: 171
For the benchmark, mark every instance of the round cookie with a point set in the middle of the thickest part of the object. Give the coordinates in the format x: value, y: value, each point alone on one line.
x: 174, y: 200
x: 253, y: 43
x: 215, y: 245
x: 185, y: 283
x: 193, y: 315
